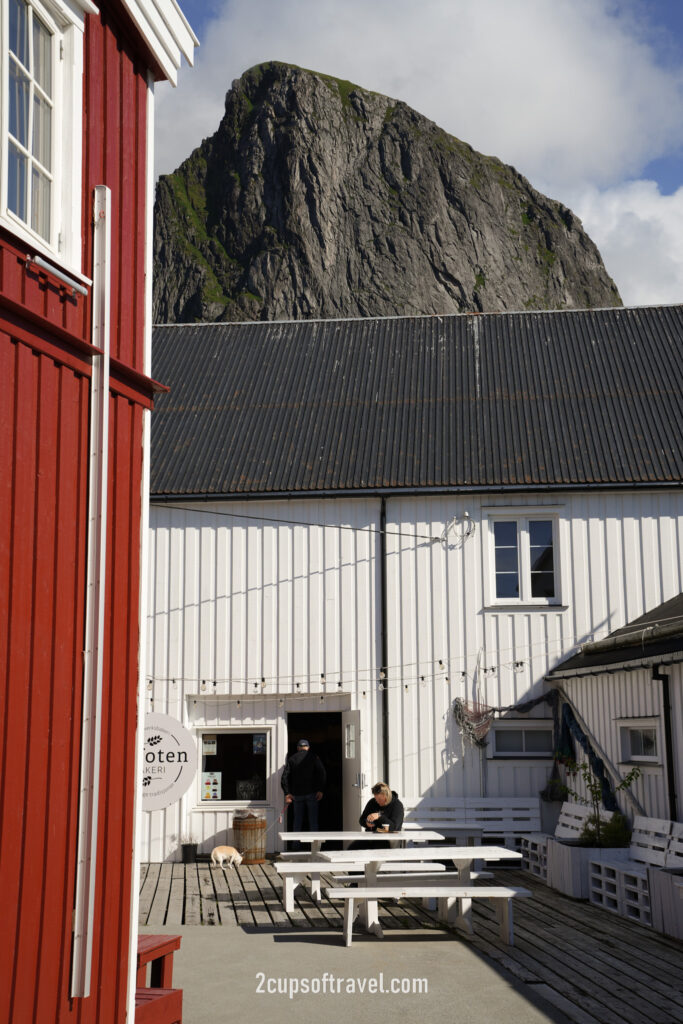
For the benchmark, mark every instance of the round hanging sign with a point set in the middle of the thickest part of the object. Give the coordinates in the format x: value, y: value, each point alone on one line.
x: 170, y: 761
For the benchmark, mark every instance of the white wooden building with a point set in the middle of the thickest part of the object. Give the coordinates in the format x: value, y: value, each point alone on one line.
x: 355, y: 522
x: 628, y: 689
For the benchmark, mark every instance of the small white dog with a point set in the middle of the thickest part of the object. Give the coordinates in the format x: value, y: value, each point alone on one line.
x: 221, y: 854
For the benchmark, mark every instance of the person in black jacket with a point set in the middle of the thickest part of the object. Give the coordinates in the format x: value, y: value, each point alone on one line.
x: 384, y: 809
x: 303, y: 781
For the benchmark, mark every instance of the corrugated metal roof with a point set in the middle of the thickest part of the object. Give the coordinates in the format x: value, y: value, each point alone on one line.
x: 476, y: 401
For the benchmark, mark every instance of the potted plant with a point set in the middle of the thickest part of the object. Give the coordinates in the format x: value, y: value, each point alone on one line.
x: 188, y: 848
x: 602, y: 837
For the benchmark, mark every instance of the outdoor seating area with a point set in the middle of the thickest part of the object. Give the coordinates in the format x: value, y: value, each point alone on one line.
x: 571, y: 953
x: 621, y: 880
x: 622, y: 885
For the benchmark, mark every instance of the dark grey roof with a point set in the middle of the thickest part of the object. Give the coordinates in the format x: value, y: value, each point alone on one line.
x: 473, y: 401
x: 656, y: 633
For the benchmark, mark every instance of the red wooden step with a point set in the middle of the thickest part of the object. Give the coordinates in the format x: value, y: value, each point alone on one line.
x: 158, y: 1006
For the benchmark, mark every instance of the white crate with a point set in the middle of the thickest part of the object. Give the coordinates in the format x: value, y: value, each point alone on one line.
x: 635, y: 895
x: 604, y: 886
x: 534, y: 850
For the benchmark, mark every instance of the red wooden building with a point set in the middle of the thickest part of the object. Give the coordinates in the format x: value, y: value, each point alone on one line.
x: 76, y: 189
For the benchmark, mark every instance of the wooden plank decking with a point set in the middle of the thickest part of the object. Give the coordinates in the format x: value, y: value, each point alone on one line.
x: 595, y: 967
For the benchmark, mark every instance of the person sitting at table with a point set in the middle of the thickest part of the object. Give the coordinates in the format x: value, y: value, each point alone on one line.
x: 383, y: 810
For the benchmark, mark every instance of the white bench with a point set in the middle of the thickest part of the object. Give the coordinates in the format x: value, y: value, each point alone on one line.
x: 446, y: 895
x: 474, y: 818
x: 621, y: 885
x: 666, y: 887
x: 295, y: 872
x: 570, y: 825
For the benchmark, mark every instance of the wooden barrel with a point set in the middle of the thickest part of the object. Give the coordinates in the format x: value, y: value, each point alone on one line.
x: 250, y: 839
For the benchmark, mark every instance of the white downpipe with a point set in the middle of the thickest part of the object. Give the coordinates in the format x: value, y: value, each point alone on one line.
x: 144, y: 557
x: 88, y: 811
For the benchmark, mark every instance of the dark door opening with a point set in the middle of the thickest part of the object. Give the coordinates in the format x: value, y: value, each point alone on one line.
x: 323, y: 730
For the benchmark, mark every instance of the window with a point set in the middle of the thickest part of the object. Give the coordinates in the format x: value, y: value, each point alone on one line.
x: 42, y: 57
x: 234, y: 765
x: 639, y: 741
x: 31, y: 110
x: 521, y: 739
x: 524, y: 559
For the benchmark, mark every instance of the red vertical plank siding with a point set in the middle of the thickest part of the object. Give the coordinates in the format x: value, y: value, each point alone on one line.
x: 44, y: 417
x: 42, y: 558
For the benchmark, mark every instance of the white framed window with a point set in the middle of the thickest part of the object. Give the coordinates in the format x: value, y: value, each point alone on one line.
x: 233, y: 765
x: 518, y: 739
x: 522, y: 553
x: 41, y: 119
x: 639, y: 739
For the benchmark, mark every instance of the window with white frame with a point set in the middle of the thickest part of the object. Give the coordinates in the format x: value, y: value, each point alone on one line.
x: 234, y: 765
x: 523, y: 559
x: 639, y: 740
x: 42, y: 86
x: 521, y: 739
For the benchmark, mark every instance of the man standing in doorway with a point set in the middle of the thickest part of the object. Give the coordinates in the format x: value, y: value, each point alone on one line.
x: 303, y: 781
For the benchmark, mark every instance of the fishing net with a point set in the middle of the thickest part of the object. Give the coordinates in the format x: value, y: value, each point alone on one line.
x: 474, y: 720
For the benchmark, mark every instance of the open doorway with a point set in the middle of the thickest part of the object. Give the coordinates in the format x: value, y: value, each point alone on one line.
x: 323, y: 730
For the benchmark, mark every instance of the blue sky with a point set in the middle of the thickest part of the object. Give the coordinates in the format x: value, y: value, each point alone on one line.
x: 584, y: 97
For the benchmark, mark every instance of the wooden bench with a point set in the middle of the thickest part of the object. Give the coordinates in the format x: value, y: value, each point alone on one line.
x: 446, y: 895
x: 622, y: 885
x: 158, y: 1006
x: 502, y: 818
x: 570, y: 824
x: 157, y: 1003
x: 295, y: 873
x: 665, y: 887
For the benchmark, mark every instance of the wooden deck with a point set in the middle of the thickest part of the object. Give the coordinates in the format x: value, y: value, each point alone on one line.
x: 594, y: 967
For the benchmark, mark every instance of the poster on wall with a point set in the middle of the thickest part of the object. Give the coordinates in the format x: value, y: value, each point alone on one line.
x: 209, y: 744
x: 170, y: 761
x: 259, y: 743
x: 211, y: 785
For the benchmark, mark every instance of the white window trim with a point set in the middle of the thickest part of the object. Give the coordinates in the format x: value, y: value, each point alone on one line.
x: 522, y: 514
x: 526, y: 725
x: 213, y: 730
x: 644, y: 722
x: 67, y: 17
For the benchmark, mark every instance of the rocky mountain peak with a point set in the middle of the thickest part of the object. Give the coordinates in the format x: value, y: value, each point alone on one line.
x: 318, y: 198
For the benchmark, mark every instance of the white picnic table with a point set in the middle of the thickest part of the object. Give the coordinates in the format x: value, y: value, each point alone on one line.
x: 461, y: 856
x: 316, y: 839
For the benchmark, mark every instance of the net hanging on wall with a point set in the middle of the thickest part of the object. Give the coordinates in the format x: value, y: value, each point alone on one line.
x: 474, y: 720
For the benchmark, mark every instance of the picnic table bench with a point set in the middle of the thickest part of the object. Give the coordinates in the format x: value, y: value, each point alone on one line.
x: 295, y: 867
x: 157, y: 1003
x: 294, y: 873
x: 446, y: 895
x: 450, y: 892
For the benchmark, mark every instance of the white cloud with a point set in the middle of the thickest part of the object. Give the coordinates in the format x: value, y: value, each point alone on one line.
x: 639, y: 233
x: 562, y: 89
x: 568, y: 91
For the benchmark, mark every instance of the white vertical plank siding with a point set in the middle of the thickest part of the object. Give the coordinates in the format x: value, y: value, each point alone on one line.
x: 611, y: 552
x: 603, y: 700
x: 233, y: 600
